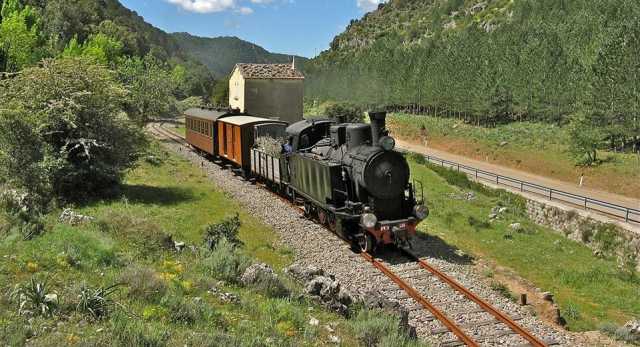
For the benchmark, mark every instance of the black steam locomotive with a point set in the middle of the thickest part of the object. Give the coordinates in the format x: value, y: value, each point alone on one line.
x: 349, y: 178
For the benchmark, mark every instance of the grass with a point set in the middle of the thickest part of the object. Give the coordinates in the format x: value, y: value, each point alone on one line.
x: 162, y: 297
x: 590, y: 291
x: 533, y: 147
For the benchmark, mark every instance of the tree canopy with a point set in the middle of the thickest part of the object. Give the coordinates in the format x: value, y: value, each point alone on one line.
x: 64, y: 134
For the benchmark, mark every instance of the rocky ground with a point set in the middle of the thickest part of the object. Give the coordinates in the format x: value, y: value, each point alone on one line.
x: 315, y: 246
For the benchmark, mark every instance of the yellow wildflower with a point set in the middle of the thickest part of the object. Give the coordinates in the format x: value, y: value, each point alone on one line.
x: 32, y: 266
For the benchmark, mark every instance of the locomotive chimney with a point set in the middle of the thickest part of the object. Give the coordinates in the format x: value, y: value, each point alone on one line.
x: 378, y: 124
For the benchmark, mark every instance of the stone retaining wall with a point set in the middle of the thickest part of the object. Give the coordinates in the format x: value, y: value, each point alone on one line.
x: 605, y: 239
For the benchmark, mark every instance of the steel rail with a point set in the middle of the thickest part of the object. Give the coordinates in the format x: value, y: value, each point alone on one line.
x: 499, y: 315
x: 455, y: 329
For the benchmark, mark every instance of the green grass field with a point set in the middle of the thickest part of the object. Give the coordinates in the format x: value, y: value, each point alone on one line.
x: 533, y: 147
x: 589, y: 290
x: 165, y: 299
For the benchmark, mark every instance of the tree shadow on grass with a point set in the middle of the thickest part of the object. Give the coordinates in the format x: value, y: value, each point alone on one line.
x: 150, y: 195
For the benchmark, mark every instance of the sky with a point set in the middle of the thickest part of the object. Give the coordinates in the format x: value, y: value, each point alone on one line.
x: 301, y: 27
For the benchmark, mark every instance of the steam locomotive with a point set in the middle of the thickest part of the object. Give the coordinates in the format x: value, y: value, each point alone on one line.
x: 349, y: 178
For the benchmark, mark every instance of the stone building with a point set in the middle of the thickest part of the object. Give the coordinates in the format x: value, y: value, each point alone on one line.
x: 267, y: 90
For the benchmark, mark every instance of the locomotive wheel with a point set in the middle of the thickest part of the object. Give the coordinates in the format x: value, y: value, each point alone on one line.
x: 322, y: 217
x: 366, y: 242
x: 308, y: 209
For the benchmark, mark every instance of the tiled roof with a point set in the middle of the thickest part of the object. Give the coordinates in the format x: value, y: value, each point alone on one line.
x: 269, y: 71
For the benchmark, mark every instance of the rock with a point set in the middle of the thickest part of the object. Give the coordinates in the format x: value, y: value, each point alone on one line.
x: 493, y: 216
x: 314, y: 322
x: 503, y: 143
x: 503, y: 210
x: 304, y: 273
x: 633, y: 327
x: 329, y: 329
x: 179, y: 246
x: 516, y: 226
x: 257, y: 272
x: 51, y: 298
x: 315, y: 286
x: 547, y: 296
x: 68, y: 216
x: 334, y: 339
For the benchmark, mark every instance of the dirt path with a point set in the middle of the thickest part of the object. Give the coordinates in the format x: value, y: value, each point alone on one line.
x: 525, y: 176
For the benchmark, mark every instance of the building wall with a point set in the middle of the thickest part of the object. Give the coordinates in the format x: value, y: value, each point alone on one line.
x: 236, y: 90
x: 278, y: 99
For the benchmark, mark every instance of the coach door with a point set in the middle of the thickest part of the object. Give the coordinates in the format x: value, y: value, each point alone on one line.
x: 237, y: 142
x: 228, y: 152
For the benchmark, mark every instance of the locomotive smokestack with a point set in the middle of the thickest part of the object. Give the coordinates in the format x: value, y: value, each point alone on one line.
x: 378, y: 124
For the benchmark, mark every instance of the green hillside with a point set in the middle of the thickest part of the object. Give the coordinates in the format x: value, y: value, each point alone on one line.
x: 220, y: 54
x: 493, y: 61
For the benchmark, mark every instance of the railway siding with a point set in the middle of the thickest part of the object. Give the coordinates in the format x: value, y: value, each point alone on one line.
x: 313, y: 245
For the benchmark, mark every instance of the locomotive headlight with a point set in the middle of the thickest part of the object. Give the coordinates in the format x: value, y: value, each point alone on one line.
x: 387, y: 143
x: 421, y: 212
x: 368, y: 220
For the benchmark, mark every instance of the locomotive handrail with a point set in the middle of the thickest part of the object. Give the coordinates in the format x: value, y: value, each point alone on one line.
x: 629, y: 215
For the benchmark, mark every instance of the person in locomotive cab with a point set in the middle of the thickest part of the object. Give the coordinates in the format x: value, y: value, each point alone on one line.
x: 287, y: 147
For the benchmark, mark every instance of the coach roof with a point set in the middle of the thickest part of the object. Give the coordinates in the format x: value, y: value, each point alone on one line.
x: 208, y: 114
x: 245, y: 120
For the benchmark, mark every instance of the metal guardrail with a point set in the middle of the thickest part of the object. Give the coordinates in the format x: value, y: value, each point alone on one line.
x: 629, y: 215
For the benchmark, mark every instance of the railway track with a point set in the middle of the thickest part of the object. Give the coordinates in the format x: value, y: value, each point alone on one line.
x: 451, y: 313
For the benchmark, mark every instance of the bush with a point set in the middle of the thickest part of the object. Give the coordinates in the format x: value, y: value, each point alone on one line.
x: 132, y: 332
x: 620, y: 333
x: 34, y: 299
x: 182, y: 311
x: 461, y: 180
x: 346, y: 113
x: 379, y: 328
x: 21, y: 213
x: 96, y: 302
x: 417, y: 158
x: 228, y: 229
x: 225, y: 262
x: 64, y: 134
x: 143, y: 283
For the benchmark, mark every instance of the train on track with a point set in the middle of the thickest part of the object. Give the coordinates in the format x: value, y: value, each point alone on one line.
x: 347, y: 176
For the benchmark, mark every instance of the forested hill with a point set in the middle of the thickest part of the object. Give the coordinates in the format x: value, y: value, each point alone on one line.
x: 491, y: 60
x: 220, y: 54
x: 62, y: 20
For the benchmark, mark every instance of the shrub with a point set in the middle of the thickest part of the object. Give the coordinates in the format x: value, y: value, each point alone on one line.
x: 571, y: 312
x: 417, y: 158
x: 379, y: 328
x: 21, y: 211
x: 461, y: 180
x: 225, y: 262
x: 620, y: 333
x: 63, y: 134
x: 477, y: 224
x: 346, y: 113
x: 182, y: 311
x: 271, y: 286
x: 96, y: 302
x: 132, y: 332
x: 34, y: 299
x: 143, y: 283
x: 145, y: 235
x: 228, y: 229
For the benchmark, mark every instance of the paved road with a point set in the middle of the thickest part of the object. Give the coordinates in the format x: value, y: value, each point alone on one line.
x: 525, y: 176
